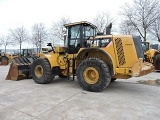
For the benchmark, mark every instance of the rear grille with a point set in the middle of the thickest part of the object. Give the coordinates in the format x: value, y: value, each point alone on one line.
x: 120, y: 52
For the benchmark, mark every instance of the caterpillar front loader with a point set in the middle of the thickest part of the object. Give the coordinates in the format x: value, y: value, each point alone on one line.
x: 151, y: 55
x: 94, y: 58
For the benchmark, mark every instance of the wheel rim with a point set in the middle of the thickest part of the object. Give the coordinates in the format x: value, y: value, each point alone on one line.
x: 38, y: 71
x: 91, y: 75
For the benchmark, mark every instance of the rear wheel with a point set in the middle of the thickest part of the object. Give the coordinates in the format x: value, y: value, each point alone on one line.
x: 93, y: 74
x: 157, y: 62
x: 41, y: 71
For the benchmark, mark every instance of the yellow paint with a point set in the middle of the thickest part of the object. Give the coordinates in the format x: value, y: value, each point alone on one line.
x: 128, y: 49
x: 52, y: 57
x: 123, y: 71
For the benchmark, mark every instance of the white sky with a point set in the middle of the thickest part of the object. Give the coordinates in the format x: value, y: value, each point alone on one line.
x: 15, y: 13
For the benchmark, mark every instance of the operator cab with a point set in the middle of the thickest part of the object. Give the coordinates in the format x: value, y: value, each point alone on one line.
x: 26, y: 52
x: 77, y: 35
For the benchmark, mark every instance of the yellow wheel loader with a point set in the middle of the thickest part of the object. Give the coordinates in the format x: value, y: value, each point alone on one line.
x: 151, y: 55
x: 94, y: 58
x: 4, y: 60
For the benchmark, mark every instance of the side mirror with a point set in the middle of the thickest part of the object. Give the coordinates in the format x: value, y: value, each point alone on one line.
x: 49, y: 44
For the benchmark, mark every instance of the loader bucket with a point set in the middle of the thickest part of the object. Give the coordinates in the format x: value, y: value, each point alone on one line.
x: 141, y: 68
x: 20, y: 68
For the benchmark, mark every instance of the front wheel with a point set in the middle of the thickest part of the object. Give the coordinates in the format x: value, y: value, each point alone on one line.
x: 93, y: 74
x: 41, y: 71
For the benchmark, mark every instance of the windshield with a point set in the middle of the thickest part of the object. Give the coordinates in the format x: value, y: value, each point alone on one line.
x: 77, y: 35
x: 75, y: 32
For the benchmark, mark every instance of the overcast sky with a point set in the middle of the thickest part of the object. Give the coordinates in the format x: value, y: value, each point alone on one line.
x: 15, y: 13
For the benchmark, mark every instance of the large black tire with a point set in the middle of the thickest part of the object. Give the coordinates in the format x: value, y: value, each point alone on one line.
x: 101, y: 74
x: 4, y: 60
x: 41, y: 71
x: 157, y: 62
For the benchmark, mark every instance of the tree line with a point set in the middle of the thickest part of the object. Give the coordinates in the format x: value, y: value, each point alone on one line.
x: 141, y: 17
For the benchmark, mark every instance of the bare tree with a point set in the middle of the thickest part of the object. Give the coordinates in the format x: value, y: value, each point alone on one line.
x: 57, y: 27
x: 1, y: 42
x: 39, y: 35
x: 126, y: 28
x: 19, y: 35
x: 155, y: 30
x: 101, y: 20
x: 141, y: 14
x: 5, y: 41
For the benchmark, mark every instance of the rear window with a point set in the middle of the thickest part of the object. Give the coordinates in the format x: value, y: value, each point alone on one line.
x: 138, y: 45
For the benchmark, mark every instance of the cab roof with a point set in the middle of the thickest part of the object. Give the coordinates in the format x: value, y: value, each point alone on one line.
x: 81, y: 22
